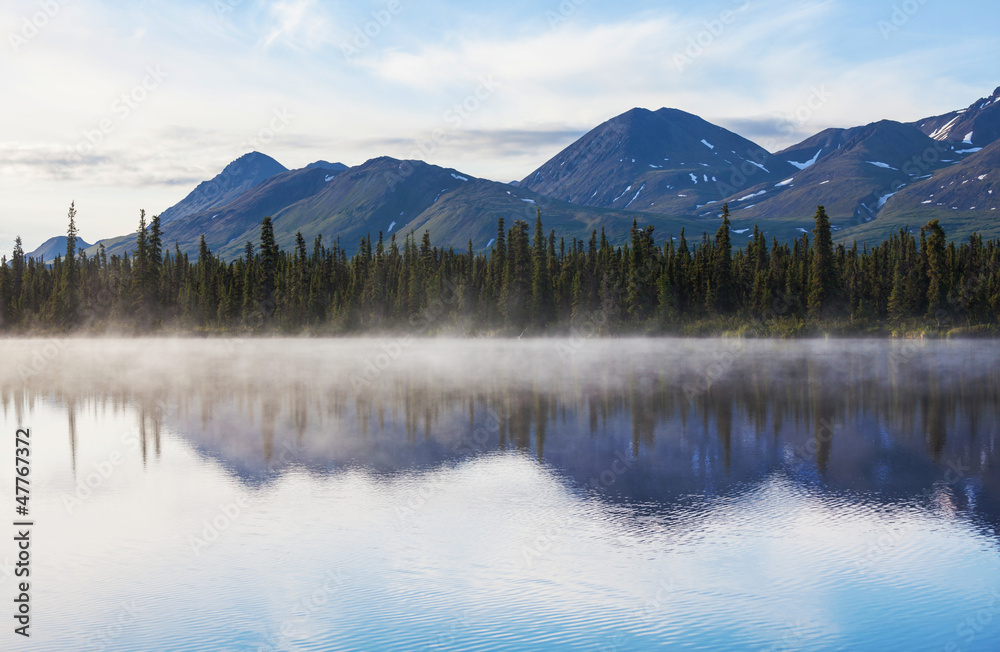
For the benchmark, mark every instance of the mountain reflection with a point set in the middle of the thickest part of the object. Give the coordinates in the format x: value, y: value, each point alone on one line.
x: 632, y: 420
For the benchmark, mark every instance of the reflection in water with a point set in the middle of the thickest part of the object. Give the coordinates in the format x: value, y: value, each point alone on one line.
x: 692, y: 413
x: 701, y: 464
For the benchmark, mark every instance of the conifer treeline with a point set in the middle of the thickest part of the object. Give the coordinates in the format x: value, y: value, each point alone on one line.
x: 530, y: 280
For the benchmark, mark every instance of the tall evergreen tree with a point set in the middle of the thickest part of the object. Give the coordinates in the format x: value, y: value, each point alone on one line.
x: 823, y: 279
x: 542, y: 308
x: 68, y: 294
x: 720, y: 294
x: 937, y: 276
x: 269, y: 255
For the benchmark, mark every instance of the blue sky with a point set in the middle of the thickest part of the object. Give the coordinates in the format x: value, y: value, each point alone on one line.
x: 126, y: 106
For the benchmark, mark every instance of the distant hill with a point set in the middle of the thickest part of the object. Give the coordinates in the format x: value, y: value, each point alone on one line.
x: 852, y: 172
x: 325, y: 165
x: 965, y: 198
x: 55, y: 247
x: 667, y: 168
x: 391, y: 197
x: 394, y: 196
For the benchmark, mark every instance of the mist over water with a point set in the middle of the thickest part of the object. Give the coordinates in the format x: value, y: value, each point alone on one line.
x: 454, y: 494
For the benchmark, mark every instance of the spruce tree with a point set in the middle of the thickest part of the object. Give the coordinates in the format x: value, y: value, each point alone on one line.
x: 720, y: 291
x: 269, y: 255
x: 937, y: 289
x: 17, y: 266
x: 823, y: 279
x: 68, y: 296
x: 541, y: 284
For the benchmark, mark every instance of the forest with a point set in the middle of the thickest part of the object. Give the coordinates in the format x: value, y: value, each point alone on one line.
x: 529, y: 283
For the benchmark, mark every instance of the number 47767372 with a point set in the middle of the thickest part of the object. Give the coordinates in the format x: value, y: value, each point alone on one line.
x: 22, y: 483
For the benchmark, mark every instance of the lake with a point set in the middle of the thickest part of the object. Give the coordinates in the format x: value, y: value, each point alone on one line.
x: 358, y: 494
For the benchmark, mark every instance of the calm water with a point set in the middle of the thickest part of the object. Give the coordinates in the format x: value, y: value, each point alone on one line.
x: 596, y: 495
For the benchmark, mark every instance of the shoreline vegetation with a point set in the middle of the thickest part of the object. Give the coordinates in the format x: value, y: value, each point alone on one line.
x: 906, y: 287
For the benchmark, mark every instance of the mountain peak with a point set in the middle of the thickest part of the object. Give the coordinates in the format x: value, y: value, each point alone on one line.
x: 241, y: 175
x: 664, y: 161
x: 978, y: 124
x: 326, y: 165
x: 253, y: 159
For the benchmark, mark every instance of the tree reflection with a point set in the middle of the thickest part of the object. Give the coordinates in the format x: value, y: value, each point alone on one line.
x: 838, y: 415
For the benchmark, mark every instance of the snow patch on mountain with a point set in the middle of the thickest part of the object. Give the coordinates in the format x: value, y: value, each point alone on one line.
x: 945, y: 131
x: 809, y: 163
x: 621, y: 195
x: 636, y: 196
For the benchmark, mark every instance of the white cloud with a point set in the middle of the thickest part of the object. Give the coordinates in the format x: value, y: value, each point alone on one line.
x: 230, y: 70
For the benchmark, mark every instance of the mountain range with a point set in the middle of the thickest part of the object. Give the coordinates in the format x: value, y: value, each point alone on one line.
x: 666, y: 168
